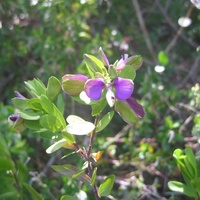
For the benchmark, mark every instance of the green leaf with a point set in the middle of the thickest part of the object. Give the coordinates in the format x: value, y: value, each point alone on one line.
x: 98, y: 107
x: 53, y: 87
x: 177, y: 153
x: 50, y: 135
x: 6, y: 164
x: 60, y: 103
x: 106, y: 186
x: 9, y: 195
x: 35, y: 104
x: 56, y: 146
x: 196, y: 183
x: 35, y: 195
x: 67, y: 197
x: 33, y: 124
x: 3, y: 146
x: 78, y: 173
x: 68, y: 136
x: 70, y: 170
x: 20, y: 103
x: 190, y: 162
x: 126, y: 113
x: 104, y: 121
x: 182, y: 188
x: 128, y: 72
x: 163, y: 58
x: 135, y: 62
x: 29, y: 115
x: 59, y: 144
x: 94, y: 175
x: 51, y: 109
x: 112, y: 72
x: 93, y: 64
x: 51, y: 123
x: 35, y: 87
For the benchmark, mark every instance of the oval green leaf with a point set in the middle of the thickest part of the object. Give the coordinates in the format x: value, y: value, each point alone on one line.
x: 107, y: 185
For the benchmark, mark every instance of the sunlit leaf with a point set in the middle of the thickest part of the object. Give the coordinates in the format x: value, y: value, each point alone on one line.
x: 163, y: 58
x: 128, y: 72
x: 56, y: 146
x: 20, y: 103
x: 182, y: 188
x: 67, y: 197
x: 104, y: 121
x: 93, y: 64
x: 106, y: 186
x: 29, y: 115
x: 53, y: 87
x: 35, y: 104
x: 35, y: 87
x: 33, y: 125
x: 94, y: 175
x: 98, y: 107
x: 135, y: 62
x: 78, y: 126
x: 51, y: 109
x: 51, y: 123
x: 126, y: 113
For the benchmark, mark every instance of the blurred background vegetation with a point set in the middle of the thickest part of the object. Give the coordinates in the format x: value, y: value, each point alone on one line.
x: 40, y: 38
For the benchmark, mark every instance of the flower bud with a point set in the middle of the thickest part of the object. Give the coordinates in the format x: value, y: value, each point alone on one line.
x: 73, y: 84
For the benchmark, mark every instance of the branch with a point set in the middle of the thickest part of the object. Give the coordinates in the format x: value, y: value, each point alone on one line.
x: 179, y: 32
x: 144, y: 30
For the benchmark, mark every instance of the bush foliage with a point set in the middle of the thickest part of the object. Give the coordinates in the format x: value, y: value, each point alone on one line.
x: 43, y: 38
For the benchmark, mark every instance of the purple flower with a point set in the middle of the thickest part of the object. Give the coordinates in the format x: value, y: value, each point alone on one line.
x: 123, y: 61
x: 14, y: 118
x: 120, y: 88
x: 103, y: 57
x: 19, y: 95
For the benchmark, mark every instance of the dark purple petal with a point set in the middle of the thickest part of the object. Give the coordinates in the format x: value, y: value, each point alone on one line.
x: 123, y: 88
x: 94, y: 87
x: 14, y: 118
x: 136, y: 107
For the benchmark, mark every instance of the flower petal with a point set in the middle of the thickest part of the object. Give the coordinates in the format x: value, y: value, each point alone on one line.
x: 122, y: 62
x: 110, y: 97
x: 136, y: 107
x: 94, y: 87
x: 124, y: 88
x: 104, y: 58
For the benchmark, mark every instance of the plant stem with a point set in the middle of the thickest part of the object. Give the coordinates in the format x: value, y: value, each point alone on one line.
x: 90, y: 168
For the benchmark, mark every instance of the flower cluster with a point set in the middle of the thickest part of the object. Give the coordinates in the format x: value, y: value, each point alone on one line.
x: 114, y: 83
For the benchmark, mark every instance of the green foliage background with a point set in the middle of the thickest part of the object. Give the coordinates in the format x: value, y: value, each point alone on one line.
x: 40, y: 38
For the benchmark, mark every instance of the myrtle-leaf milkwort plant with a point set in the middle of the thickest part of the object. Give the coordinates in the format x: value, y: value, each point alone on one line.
x: 105, y: 84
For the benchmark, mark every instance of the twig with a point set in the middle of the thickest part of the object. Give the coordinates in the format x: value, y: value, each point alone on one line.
x: 175, y: 28
x: 90, y: 170
x: 173, y: 42
x: 144, y: 30
x: 191, y: 72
